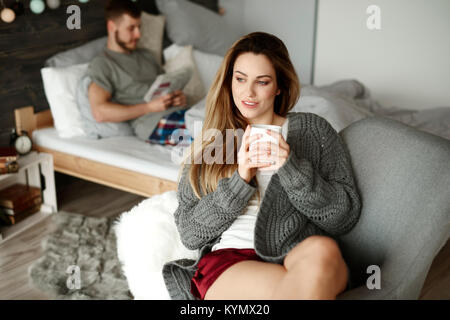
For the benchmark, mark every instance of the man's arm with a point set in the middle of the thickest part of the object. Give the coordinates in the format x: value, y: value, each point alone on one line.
x: 103, y: 110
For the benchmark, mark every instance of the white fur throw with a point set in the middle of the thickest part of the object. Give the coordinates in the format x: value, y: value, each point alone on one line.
x: 147, y: 237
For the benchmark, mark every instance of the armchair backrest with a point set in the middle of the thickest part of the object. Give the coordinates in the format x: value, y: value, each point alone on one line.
x: 403, y: 176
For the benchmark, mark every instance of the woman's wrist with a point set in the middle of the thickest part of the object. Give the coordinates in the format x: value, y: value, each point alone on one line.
x: 240, y: 187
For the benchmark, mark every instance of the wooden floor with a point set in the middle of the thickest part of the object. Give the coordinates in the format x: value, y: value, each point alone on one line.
x: 75, y: 196
x: 79, y: 196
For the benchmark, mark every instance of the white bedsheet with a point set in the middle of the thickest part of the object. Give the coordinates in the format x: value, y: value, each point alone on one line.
x: 123, y: 152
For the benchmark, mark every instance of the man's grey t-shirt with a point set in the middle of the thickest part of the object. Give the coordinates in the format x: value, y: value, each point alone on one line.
x: 128, y: 77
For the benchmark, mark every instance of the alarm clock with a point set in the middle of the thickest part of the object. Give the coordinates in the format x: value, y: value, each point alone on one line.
x: 21, y: 142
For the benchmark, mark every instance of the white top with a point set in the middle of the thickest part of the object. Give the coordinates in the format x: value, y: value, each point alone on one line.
x: 240, y: 234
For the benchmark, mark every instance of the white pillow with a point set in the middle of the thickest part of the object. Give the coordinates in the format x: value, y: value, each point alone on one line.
x: 60, y: 86
x: 196, y: 113
x: 194, y: 89
x: 171, y: 51
x: 207, y: 63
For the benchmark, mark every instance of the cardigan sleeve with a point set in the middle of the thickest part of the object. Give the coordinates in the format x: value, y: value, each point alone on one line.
x: 326, y: 192
x: 201, y: 220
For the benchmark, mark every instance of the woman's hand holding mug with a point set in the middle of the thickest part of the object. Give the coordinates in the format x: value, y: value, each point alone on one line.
x: 247, y: 159
x: 260, y: 152
x: 279, y: 151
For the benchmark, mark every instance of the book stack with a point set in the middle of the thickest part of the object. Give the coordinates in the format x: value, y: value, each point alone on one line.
x: 8, y: 160
x: 18, y: 202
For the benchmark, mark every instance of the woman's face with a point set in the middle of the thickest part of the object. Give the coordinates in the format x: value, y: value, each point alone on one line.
x: 254, y: 87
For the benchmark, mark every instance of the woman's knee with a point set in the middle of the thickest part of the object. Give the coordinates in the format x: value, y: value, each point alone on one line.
x: 318, y: 251
x: 318, y: 259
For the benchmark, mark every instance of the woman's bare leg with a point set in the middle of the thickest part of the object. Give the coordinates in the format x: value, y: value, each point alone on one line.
x: 314, y: 269
x: 247, y: 280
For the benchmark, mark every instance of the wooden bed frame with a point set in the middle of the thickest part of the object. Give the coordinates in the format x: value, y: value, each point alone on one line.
x: 123, y: 179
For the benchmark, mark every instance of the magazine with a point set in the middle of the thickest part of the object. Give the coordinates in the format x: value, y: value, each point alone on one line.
x: 168, y: 82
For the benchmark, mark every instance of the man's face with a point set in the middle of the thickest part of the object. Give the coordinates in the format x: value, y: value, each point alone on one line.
x: 127, y: 32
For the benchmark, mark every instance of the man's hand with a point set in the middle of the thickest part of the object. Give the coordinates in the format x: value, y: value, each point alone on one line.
x: 162, y: 103
x: 179, y: 98
x: 174, y: 99
x: 104, y: 110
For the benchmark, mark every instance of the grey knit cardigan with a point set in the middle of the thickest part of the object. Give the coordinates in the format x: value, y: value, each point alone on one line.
x: 312, y: 193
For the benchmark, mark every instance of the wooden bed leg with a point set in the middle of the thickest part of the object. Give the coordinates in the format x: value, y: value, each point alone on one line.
x: 25, y: 120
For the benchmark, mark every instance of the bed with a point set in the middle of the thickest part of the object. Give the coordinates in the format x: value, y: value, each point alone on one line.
x: 123, y: 161
x: 139, y: 168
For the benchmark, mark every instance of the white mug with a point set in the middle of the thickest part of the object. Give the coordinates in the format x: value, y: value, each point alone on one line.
x: 261, y: 129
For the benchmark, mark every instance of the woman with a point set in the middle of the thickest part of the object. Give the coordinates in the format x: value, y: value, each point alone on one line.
x: 262, y: 236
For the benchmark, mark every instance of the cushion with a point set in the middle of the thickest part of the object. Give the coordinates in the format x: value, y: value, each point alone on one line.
x: 60, y: 89
x: 207, y: 63
x: 147, y: 237
x: 81, y: 54
x: 92, y: 128
x: 194, y: 89
x: 194, y: 117
x: 152, y: 30
x: 189, y: 23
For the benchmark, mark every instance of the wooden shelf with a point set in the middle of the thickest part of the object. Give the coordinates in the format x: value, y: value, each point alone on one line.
x: 7, y: 233
x: 31, y: 167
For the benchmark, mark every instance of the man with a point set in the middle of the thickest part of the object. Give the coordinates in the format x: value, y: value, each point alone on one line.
x: 123, y: 73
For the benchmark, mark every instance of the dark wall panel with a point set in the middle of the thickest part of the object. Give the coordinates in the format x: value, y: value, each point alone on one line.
x: 27, y: 42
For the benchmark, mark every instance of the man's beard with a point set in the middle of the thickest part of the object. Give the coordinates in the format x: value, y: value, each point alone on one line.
x: 121, y: 43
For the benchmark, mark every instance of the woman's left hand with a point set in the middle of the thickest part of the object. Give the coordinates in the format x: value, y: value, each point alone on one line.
x: 277, y: 152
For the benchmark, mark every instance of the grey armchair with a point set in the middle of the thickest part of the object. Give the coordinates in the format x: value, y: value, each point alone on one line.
x: 403, y: 175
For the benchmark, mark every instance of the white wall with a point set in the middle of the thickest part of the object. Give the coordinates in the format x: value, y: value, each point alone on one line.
x: 405, y: 64
x: 290, y: 20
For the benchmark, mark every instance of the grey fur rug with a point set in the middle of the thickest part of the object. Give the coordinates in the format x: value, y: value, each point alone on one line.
x: 80, y: 260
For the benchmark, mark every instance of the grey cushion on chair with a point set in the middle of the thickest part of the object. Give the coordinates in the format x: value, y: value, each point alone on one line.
x: 403, y: 175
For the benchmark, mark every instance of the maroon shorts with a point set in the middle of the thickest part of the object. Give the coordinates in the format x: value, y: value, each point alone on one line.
x: 212, y: 264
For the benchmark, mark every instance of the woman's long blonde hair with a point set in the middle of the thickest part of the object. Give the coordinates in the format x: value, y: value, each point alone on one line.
x: 221, y: 112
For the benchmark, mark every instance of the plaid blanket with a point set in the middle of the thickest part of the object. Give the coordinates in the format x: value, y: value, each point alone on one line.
x: 171, y: 130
